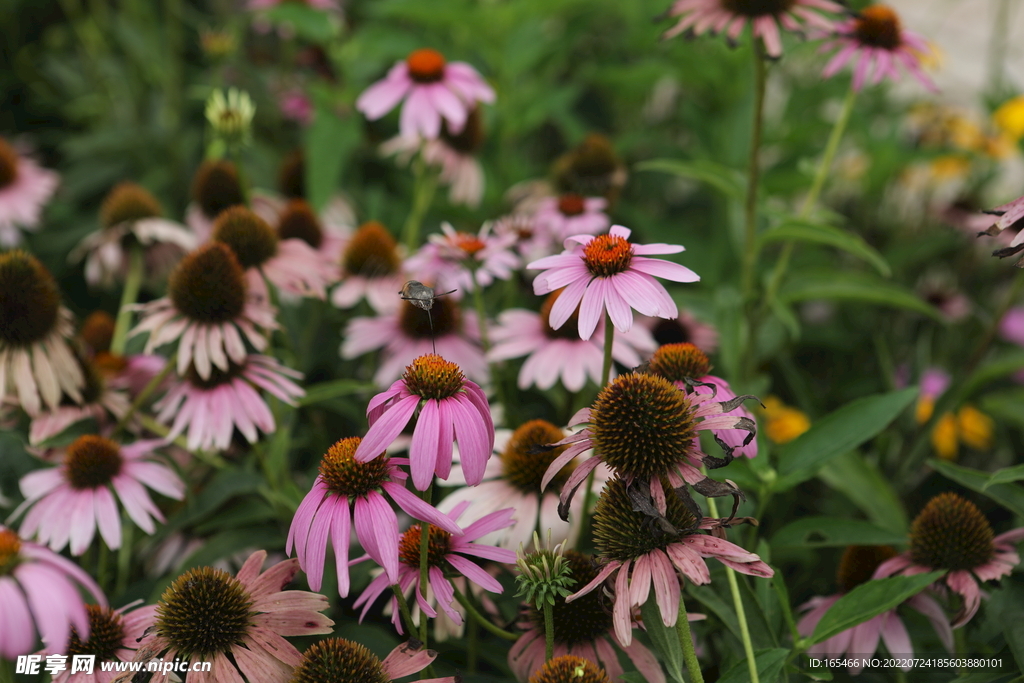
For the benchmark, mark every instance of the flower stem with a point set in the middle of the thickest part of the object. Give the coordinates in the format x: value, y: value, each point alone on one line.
x: 424, y: 568
x: 741, y: 613
x: 549, y: 631
x: 124, y: 558
x: 753, y: 172
x: 686, y: 643
x: 129, y: 295
x: 484, y: 622
x: 609, y: 342
x: 403, y: 606
x: 424, y: 185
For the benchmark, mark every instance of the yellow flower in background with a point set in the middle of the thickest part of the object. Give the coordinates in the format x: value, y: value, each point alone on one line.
x: 1009, y: 117
x: 944, y: 438
x: 970, y: 426
x: 783, y: 423
x: 950, y: 167
x: 924, y: 409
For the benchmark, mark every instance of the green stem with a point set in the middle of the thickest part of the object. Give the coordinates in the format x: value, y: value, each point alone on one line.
x: 549, y: 631
x: 403, y: 607
x: 424, y: 568
x: 208, y: 457
x: 997, y: 46
x: 124, y: 558
x: 481, y: 313
x: 102, y: 566
x: 144, y: 394
x: 741, y: 613
x: 424, y: 185
x: 472, y: 646
x: 609, y: 343
x: 480, y: 619
x: 686, y: 643
x: 749, y: 259
x: 129, y: 295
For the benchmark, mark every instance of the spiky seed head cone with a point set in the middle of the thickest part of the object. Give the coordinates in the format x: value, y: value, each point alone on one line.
x: 208, y: 285
x: 205, y: 611
x: 216, y: 186
x: 336, y: 660
x: 859, y: 562
x: 678, y: 362
x: 586, y: 618
x: 106, y: 635
x: 249, y: 236
x: 345, y: 476
x: 570, y: 669
x: 29, y: 299
x: 128, y: 201
x: 623, y: 533
x: 299, y: 221
x: 525, y: 460
x: 951, y: 533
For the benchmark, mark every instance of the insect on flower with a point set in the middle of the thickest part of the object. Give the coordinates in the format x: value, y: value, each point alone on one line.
x: 421, y: 296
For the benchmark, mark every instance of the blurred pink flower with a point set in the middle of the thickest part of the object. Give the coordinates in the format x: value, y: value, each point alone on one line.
x: 451, y: 260
x: 432, y: 89
x: 875, y: 38
x: 446, y: 558
x: 212, y: 408
x: 348, y: 493
x: 454, y: 409
x: 68, y: 502
x: 560, y: 355
x: 100, y: 401
x: 731, y: 17
x: 1011, y: 327
x: 119, y: 630
x: 39, y: 591
x: 296, y: 106
x: 609, y: 273
x: 25, y: 187
x: 572, y: 214
x: 459, y: 168
x: 934, y: 382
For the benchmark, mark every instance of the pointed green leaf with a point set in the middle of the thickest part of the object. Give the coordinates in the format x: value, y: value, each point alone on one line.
x: 853, y: 286
x: 329, y: 139
x: 325, y: 391
x: 832, y: 532
x: 1006, y: 475
x: 798, y: 230
x: 726, y: 180
x: 1010, y: 496
x: 769, y: 666
x: 664, y: 639
x: 868, y: 600
x: 864, y: 484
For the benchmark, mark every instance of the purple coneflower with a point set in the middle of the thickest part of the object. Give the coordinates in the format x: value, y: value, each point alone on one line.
x: 113, y: 636
x: 100, y: 401
x: 25, y: 187
x: 560, y: 355
x: 215, y: 186
x: 39, y: 591
x: 131, y: 217
x: 950, y: 534
x: 68, y: 502
x: 878, y: 42
x: 462, y: 260
x: 453, y: 409
x: 207, y: 306
x: 446, y: 555
x: 406, y: 333
x: 610, y: 273
x: 512, y: 479
x: 582, y: 628
x: 624, y: 540
x: 856, y: 567
x: 326, y: 231
x: 765, y: 16
x: 569, y: 668
x: 336, y: 660
x: 572, y: 214
x: 37, y: 364
x: 212, y: 408
x: 348, y: 493
x: 237, y: 622
x: 371, y: 268
x: 432, y: 89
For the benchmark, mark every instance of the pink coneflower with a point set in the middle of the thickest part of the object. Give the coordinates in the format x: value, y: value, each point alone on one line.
x: 951, y: 534
x: 688, y: 368
x: 212, y: 408
x: 296, y: 105
x: 406, y: 334
x: 609, y: 273
x: 25, y: 187
x: 454, y: 409
x: 67, y: 503
x: 731, y: 17
x: 560, y: 355
x: 686, y: 328
x: 207, y: 306
x: 934, y: 382
x: 532, y: 241
x: 37, y: 364
x: 113, y: 636
x: 453, y: 259
x: 237, y: 622
x: 856, y: 567
x: 130, y: 217
x: 348, y: 493
x: 328, y: 231
x: 622, y: 535
x: 645, y: 429
x: 512, y: 479
x: 1011, y: 326
x: 446, y: 557
x: 215, y: 187
x: 371, y: 268
x: 39, y: 590
x: 288, y: 262
x: 432, y: 89
x: 572, y: 214
x: 100, y: 401
x: 582, y: 628
x: 878, y: 42
x: 322, y: 662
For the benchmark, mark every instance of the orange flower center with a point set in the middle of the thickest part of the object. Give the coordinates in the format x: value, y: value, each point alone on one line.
x: 525, y: 460
x: 371, y: 252
x: 607, y: 255
x: 98, y: 331
x: 468, y: 243
x: 431, y: 376
x: 8, y: 164
x: 571, y: 204
x: 10, y: 545
x: 878, y: 26
x: 426, y: 65
x: 438, y: 546
x: 92, y: 461
x: 347, y: 477
x: 676, y: 362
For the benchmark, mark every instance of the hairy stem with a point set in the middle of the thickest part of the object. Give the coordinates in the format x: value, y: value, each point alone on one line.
x: 686, y: 643
x: 403, y: 606
x: 480, y: 619
x: 549, y: 631
x: 129, y: 295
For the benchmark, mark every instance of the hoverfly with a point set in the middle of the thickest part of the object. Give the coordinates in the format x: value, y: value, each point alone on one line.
x: 421, y: 296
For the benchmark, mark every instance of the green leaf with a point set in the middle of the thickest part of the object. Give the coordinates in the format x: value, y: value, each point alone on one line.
x: 308, y: 22
x: 728, y: 181
x: 326, y: 391
x: 839, y: 432
x: 863, y: 483
x: 819, y: 233
x: 664, y: 639
x: 833, y: 532
x: 1006, y: 475
x: 997, y: 368
x: 869, y: 600
x: 1008, y: 607
x: 1010, y: 496
x: 769, y: 666
x: 329, y: 139
x: 853, y: 286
